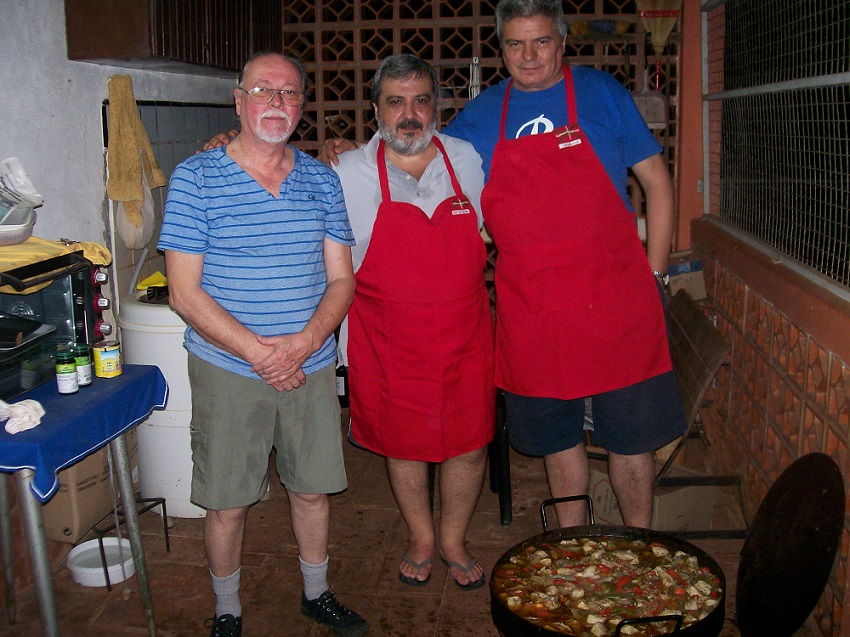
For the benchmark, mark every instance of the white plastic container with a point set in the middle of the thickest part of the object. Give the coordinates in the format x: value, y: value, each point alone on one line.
x: 152, y: 334
x: 17, y: 224
x: 86, y: 565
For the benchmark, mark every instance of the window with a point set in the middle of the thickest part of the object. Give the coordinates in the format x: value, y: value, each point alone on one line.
x: 778, y: 76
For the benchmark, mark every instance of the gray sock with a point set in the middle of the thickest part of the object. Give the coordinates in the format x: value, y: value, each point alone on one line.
x: 226, y: 591
x: 315, y: 578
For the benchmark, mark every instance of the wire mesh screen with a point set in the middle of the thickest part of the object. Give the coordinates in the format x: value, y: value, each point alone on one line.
x: 779, y: 138
x: 777, y: 40
x: 785, y: 173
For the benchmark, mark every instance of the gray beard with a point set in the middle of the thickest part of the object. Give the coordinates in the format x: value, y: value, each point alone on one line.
x: 406, y: 147
x: 274, y: 138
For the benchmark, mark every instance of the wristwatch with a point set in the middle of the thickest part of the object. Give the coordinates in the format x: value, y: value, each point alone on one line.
x: 663, y: 277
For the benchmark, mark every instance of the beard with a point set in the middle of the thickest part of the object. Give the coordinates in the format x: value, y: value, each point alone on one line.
x: 274, y: 136
x: 407, y: 146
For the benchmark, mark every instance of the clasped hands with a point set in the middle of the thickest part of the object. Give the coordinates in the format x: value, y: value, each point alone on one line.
x: 282, y: 368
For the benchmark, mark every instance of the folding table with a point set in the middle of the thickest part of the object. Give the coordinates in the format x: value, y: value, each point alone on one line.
x: 74, y: 426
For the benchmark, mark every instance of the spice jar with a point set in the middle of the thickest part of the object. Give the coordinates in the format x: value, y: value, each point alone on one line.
x: 82, y: 356
x: 66, y: 372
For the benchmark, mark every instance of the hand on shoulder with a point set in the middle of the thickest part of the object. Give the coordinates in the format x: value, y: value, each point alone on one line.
x: 220, y: 139
x: 333, y: 148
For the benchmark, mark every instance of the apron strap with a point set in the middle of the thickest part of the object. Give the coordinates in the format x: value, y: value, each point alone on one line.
x: 572, y: 111
x: 455, y: 183
x: 569, y: 87
x: 385, y: 183
x: 382, y: 173
x: 505, y: 110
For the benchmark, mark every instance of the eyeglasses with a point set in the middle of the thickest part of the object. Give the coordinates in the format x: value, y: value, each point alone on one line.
x: 264, y: 95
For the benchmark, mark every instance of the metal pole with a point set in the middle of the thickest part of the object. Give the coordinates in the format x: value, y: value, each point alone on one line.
x: 128, y: 498
x: 706, y: 137
x: 6, y: 545
x: 820, y: 81
x: 37, y: 548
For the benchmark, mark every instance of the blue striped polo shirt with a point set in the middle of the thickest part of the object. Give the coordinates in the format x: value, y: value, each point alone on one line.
x: 263, y: 256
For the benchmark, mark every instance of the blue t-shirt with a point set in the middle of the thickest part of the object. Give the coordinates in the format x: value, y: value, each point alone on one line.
x: 263, y: 255
x: 606, y: 113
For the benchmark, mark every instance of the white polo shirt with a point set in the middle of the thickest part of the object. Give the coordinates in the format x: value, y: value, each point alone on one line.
x: 358, y: 172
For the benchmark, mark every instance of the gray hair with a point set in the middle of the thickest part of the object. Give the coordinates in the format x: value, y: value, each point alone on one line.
x: 403, y: 67
x: 292, y: 60
x: 508, y: 10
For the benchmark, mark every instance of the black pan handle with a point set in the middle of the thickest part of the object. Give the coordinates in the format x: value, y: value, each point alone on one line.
x: 27, y: 276
x: 647, y: 620
x: 569, y: 498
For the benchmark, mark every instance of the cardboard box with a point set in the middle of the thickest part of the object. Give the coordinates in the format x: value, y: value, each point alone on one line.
x: 674, y: 508
x: 686, y: 273
x: 84, y: 496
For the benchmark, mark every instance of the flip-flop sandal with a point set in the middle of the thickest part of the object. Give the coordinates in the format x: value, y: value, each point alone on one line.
x: 413, y: 581
x: 469, y: 586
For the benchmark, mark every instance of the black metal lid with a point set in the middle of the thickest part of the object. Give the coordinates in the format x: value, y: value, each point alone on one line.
x: 790, y: 548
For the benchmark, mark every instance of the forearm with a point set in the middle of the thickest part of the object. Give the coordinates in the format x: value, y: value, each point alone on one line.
x: 291, y: 351
x: 216, y: 325
x: 203, y: 313
x: 657, y: 185
x: 660, y: 224
x: 330, y: 311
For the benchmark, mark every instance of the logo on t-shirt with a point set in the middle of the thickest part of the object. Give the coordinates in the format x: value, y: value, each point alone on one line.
x: 536, y: 126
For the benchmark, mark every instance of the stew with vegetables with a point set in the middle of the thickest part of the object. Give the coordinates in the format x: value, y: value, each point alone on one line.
x: 586, y: 586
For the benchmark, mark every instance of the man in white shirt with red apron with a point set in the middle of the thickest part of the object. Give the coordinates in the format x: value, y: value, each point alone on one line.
x: 419, y: 334
x: 579, y: 312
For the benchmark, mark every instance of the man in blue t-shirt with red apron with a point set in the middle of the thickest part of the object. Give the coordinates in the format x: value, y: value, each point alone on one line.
x: 579, y: 305
x: 579, y: 313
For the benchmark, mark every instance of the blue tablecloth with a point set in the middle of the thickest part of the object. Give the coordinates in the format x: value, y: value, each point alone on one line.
x: 75, y: 425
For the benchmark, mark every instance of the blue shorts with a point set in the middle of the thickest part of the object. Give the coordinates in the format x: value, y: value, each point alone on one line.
x: 628, y: 421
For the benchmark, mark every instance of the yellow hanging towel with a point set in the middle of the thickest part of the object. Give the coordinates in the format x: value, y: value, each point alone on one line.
x: 130, y: 151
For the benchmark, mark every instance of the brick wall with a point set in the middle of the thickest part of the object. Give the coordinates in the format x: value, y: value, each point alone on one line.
x: 785, y: 392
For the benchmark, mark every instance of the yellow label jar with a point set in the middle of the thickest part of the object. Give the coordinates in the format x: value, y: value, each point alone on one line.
x: 107, y: 359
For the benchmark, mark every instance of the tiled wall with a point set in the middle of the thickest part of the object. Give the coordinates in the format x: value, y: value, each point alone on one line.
x: 782, y: 396
x: 176, y: 131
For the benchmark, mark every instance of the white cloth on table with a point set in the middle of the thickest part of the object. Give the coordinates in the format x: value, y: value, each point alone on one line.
x: 21, y: 416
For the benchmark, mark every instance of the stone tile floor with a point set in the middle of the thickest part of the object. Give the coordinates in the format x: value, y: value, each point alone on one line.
x: 367, y: 540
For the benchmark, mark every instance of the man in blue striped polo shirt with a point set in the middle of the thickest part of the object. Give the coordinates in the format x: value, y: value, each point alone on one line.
x: 258, y: 255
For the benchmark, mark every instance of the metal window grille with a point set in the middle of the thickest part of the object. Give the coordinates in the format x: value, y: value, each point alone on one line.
x: 342, y: 42
x: 778, y: 151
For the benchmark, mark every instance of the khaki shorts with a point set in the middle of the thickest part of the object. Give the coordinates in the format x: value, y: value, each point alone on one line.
x: 237, y: 420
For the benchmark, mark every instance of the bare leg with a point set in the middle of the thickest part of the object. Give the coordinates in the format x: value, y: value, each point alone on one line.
x: 461, y: 479
x: 409, y: 481
x: 568, y: 474
x: 310, y: 513
x: 633, y: 480
x: 223, y: 534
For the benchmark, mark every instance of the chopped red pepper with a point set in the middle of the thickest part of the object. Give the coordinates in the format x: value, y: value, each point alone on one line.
x: 676, y: 576
x: 621, y: 583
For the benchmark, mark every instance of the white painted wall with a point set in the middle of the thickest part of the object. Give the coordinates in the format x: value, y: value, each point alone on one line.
x: 50, y: 116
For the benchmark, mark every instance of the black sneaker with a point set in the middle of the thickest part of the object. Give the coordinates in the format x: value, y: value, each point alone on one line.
x: 225, y: 626
x: 328, y: 610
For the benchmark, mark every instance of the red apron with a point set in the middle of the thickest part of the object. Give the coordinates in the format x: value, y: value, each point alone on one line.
x: 420, y: 349
x: 577, y: 309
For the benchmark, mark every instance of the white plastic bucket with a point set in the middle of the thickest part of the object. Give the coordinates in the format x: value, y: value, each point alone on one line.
x: 152, y: 334
x: 86, y: 565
